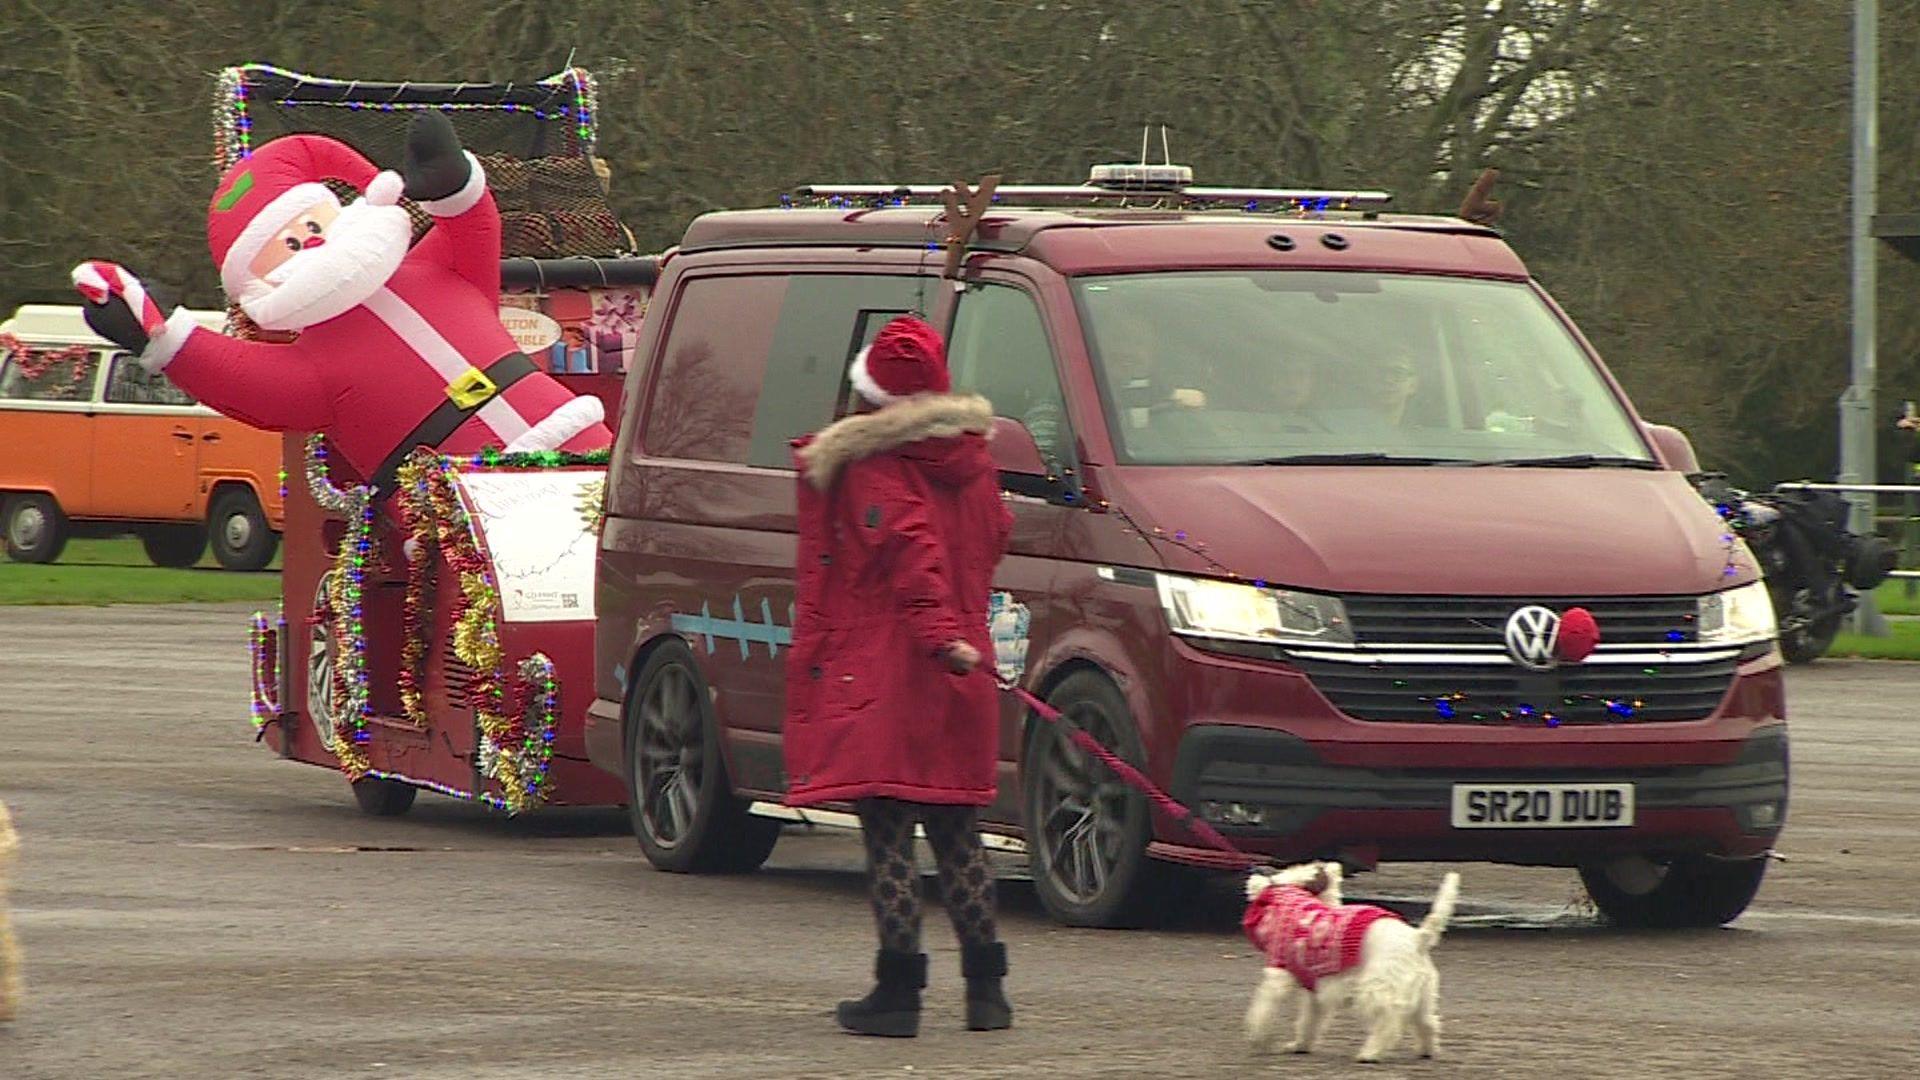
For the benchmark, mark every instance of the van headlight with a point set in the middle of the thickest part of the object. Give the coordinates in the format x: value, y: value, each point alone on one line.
x: 1741, y: 616
x: 1229, y: 610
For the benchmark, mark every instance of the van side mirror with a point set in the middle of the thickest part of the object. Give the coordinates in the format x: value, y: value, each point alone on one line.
x: 1674, y: 448
x: 1016, y: 455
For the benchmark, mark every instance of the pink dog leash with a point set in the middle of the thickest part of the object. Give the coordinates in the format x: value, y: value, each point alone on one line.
x: 1131, y: 776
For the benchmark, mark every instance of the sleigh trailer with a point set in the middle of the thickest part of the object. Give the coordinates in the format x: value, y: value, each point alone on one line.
x: 440, y: 635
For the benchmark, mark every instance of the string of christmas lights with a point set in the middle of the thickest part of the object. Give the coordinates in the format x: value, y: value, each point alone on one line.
x: 263, y: 641
x: 233, y: 125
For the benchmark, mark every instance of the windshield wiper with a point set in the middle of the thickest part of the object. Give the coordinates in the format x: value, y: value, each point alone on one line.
x: 1371, y: 457
x: 1574, y: 461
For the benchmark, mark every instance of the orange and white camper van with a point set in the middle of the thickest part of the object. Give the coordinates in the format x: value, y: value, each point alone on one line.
x: 91, y: 444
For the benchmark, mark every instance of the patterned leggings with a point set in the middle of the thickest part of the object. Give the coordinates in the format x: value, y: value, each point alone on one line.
x: 966, y: 884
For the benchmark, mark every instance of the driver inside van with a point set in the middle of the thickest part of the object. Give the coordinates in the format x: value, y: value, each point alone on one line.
x: 1139, y: 370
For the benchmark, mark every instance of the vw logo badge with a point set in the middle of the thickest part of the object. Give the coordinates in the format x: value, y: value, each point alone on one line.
x: 1532, y: 633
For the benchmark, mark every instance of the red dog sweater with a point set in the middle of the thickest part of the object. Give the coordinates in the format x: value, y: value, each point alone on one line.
x: 1305, y: 937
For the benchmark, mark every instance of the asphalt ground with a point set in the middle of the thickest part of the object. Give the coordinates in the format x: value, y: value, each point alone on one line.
x: 190, y: 905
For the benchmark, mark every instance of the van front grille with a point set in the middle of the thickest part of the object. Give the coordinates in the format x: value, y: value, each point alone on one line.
x: 1480, y: 620
x: 1470, y: 693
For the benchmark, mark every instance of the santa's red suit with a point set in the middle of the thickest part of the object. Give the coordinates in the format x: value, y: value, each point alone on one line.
x: 397, y: 348
x: 1306, y: 937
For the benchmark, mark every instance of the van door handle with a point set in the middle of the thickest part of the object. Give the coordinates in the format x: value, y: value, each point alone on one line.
x: 211, y: 436
x: 182, y: 433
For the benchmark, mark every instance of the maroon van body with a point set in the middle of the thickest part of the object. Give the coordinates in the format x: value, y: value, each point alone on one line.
x: 1412, y: 727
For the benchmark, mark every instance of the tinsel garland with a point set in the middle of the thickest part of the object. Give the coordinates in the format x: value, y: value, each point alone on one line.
x: 515, y: 717
x: 343, y: 611
x: 593, y: 505
x: 33, y: 363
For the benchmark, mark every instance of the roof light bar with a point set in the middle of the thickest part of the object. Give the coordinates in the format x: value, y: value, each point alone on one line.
x: 1092, y: 194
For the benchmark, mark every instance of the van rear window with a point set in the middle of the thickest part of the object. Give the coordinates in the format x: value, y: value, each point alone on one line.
x: 709, y: 378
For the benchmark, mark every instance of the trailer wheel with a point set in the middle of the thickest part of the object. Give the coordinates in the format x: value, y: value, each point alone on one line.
x: 383, y: 798
x: 685, y: 813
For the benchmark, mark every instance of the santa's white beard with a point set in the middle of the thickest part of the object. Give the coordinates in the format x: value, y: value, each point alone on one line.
x: 364, y: 246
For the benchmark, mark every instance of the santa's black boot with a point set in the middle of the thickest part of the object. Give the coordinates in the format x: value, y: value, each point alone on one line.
x: 984, y: 966
x: 893, y: 1008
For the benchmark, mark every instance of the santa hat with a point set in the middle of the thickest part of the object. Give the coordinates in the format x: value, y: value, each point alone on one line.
x: 906, y: 358
x: 262, y: 192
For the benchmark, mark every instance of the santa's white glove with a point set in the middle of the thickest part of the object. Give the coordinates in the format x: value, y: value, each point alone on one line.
x: 119, y: 308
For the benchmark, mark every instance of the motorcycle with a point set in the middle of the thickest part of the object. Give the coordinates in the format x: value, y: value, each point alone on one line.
x: 1815, y: 566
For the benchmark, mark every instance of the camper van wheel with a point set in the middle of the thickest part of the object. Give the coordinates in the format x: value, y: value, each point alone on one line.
x: 383, y: 798
x: 241, y: 538
x: 36, y: 529
x: 174, y: 545
x: 685, y: 813
x: 1087, y: 831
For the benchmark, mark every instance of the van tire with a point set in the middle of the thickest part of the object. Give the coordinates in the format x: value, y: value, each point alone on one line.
x: 238, y: 531
x: 679, y: 797
x: 383, y: 798
x: 35, y: 529
x: 178, y: 546
x: 1057, y: 777
x: 1689, y: 892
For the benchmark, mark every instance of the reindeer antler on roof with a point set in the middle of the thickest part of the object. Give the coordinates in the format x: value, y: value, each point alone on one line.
x: 1477, y: 207
x: 964, y: 209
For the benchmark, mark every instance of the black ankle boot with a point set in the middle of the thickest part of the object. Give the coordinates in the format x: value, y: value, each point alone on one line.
x: 984, y: 966
x: 893, y: 1008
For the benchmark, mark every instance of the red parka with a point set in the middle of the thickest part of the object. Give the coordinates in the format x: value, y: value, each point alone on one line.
x: 901, y: 526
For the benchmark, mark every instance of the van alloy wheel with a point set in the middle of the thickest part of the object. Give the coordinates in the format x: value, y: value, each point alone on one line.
x: 670, y: 759
x: 684, y: 810
x: 1086, y: 831
x: 1081, y: 836
x: 1683, y: 892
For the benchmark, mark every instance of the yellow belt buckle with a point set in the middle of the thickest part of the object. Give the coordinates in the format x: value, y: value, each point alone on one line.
x: 471, y: 388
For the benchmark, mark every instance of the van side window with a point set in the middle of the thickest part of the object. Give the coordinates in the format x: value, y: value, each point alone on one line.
x: 714, y: 361
x: 130, y: 384
x: 35, y: 378
x: 824, y: 321
x: 999, y: 350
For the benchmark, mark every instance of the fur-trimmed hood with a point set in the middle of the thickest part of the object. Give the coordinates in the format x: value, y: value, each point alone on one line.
x: 947, y: 432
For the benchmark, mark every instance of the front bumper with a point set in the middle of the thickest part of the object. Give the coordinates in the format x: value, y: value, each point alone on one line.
x: 1314, y: 809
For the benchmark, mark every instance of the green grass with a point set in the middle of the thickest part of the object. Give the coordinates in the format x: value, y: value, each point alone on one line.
x: 118, y: 572
x: 1903, y: 644
x: 1893, y: 600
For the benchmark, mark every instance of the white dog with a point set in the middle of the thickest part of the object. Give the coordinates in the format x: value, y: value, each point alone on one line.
x: 9, y: 949
x: 1338, y: 955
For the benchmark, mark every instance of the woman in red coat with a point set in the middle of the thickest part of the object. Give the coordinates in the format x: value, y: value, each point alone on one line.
x: 901, y: 525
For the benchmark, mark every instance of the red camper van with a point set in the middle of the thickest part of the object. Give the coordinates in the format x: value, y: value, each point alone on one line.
x: 1303, y: 490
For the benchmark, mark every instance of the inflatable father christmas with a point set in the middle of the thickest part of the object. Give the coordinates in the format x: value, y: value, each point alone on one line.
x: 398, y: 348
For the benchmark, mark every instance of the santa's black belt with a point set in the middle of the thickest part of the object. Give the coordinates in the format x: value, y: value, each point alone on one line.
x: 465, y: 396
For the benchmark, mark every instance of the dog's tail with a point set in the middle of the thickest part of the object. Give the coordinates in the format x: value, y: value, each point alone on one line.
x: 1441, y: 913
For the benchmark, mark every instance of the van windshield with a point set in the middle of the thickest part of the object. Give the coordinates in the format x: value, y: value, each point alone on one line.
x: 1290, y: 366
